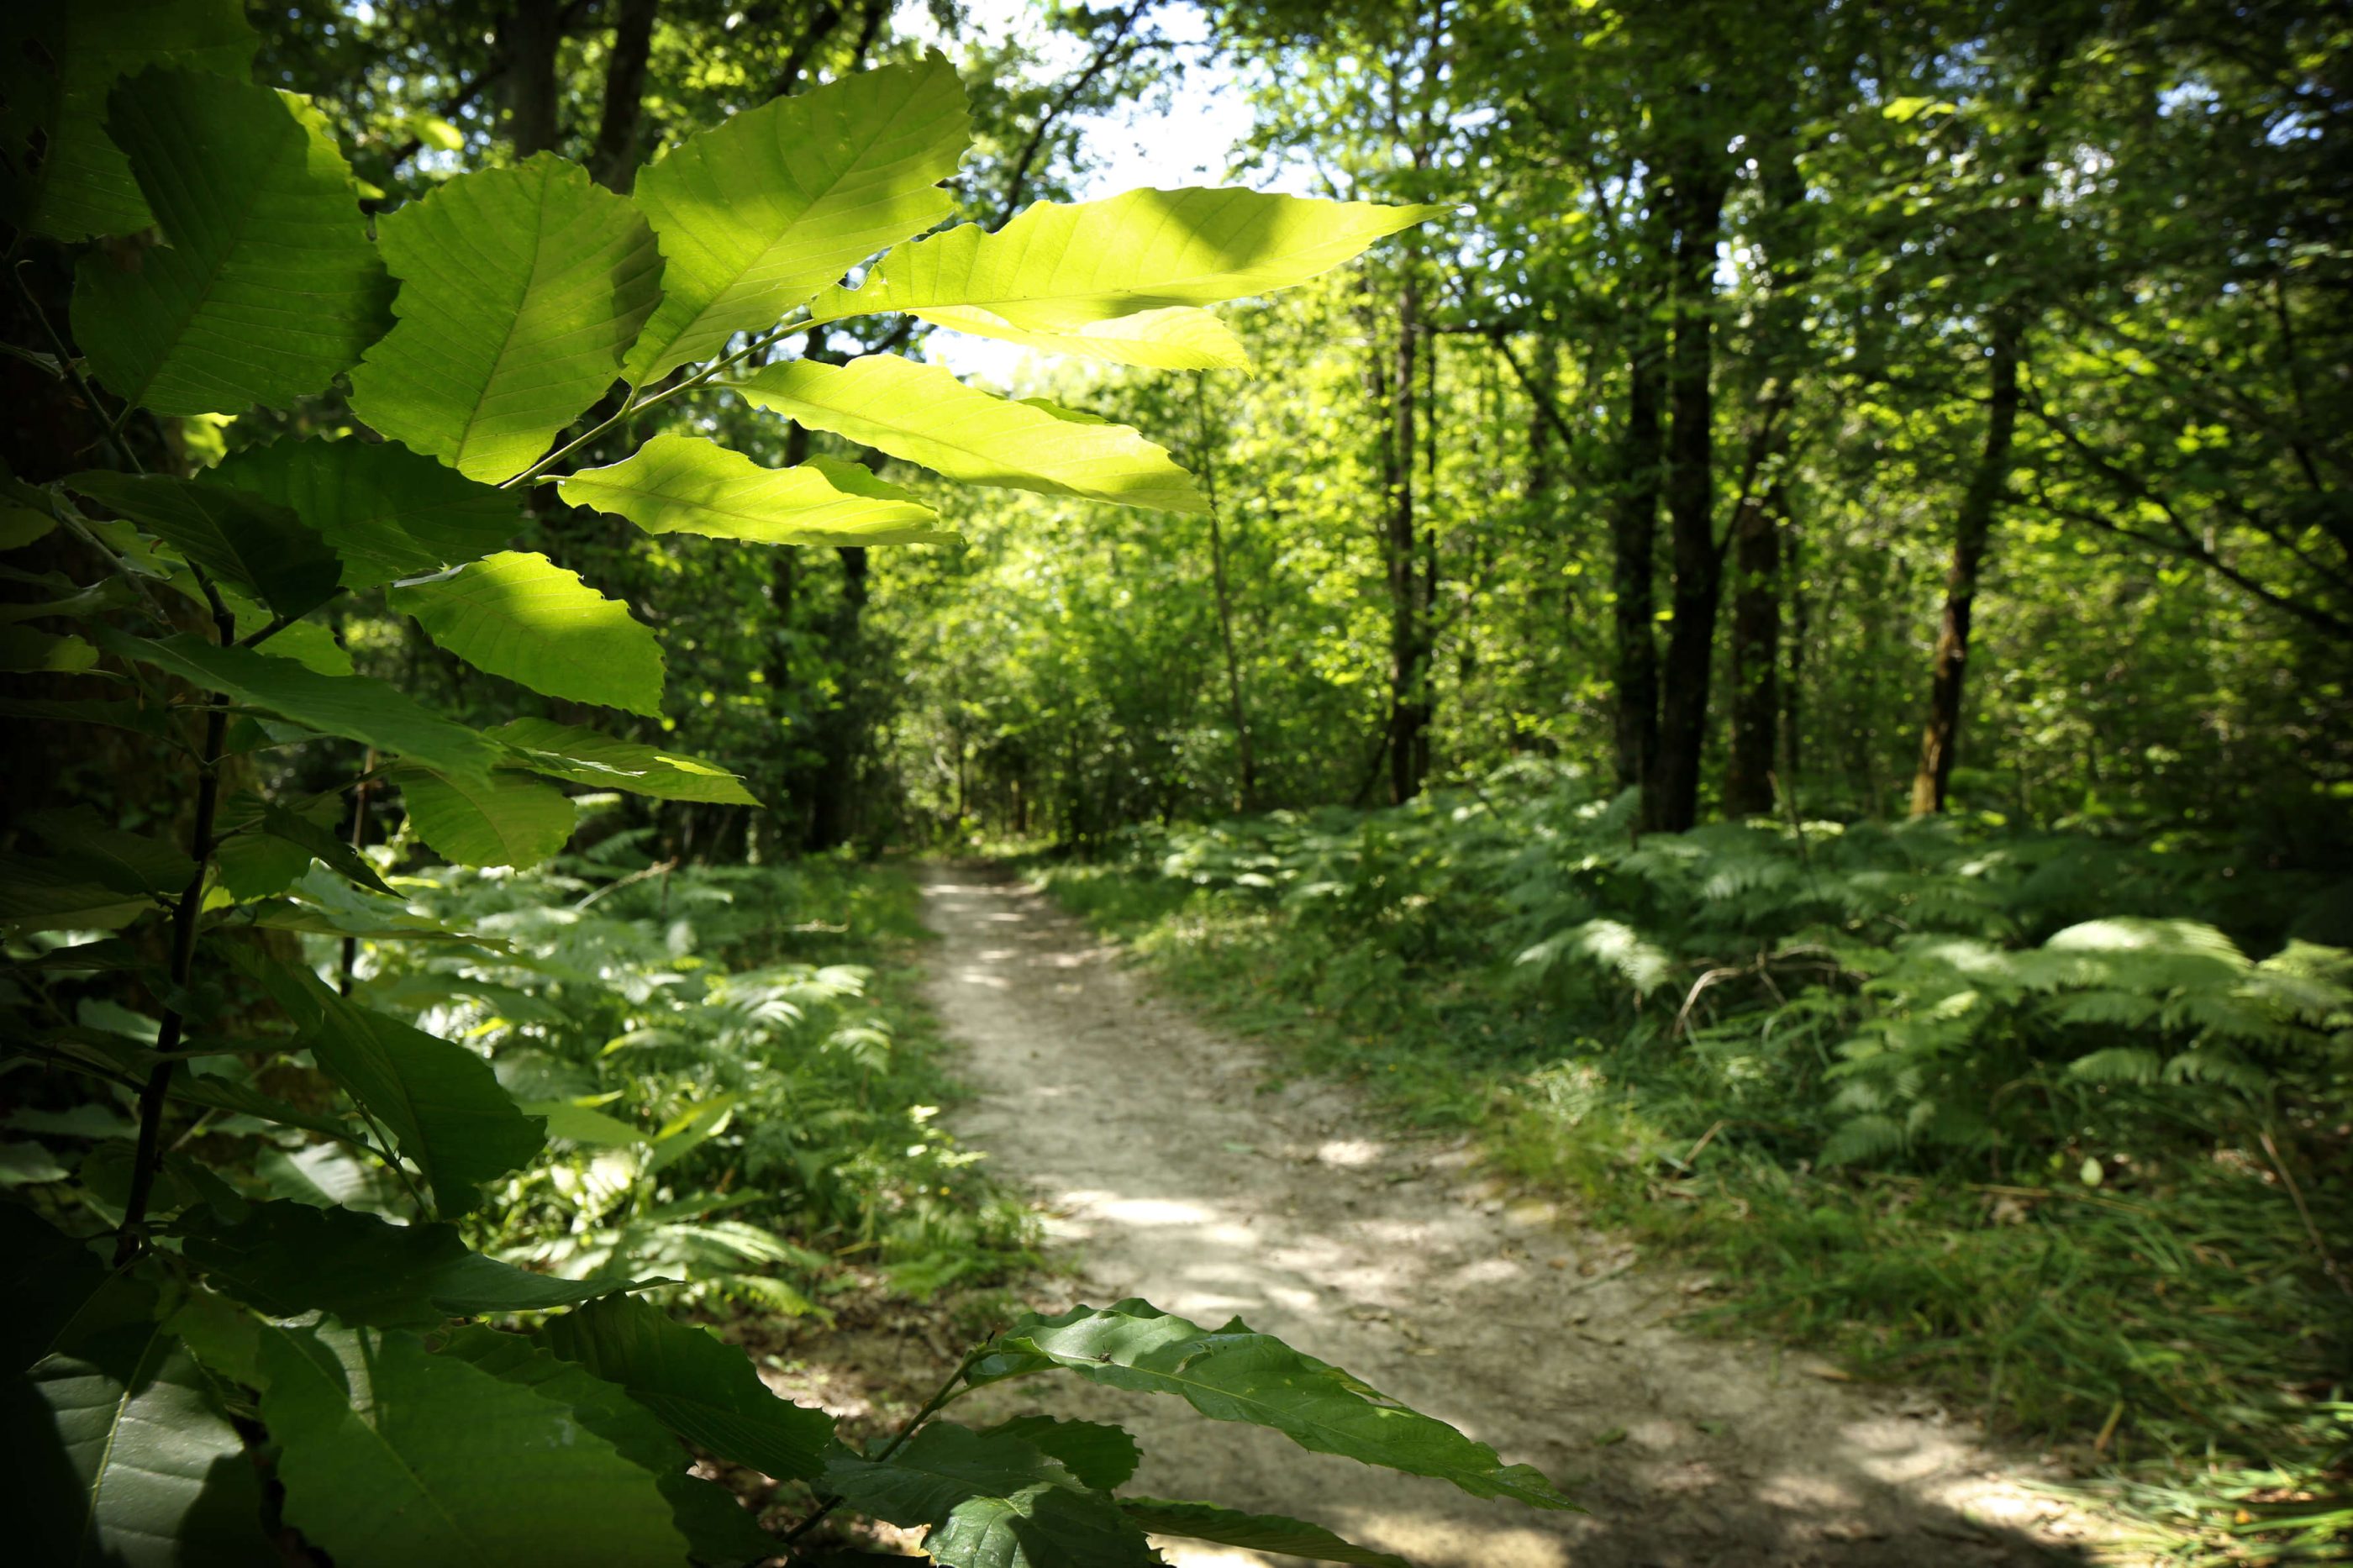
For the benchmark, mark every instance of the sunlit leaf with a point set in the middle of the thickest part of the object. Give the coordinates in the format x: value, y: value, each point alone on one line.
x: 520, y: 291
x: 585, y: 756
x: 924, y: 415
x: 508, y: 819
x: 685, y: 484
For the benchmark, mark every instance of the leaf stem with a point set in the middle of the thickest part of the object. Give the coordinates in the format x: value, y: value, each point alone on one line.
x: 946, y: 1395
x: 131, y: 1237
x: 634, y: 404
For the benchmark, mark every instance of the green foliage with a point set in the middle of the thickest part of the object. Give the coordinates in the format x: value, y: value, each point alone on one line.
x: 520, y: 291
x: 922, y: 414
x: 2012, y: 1112
x: 269, y: 286
x: 380, y: 1151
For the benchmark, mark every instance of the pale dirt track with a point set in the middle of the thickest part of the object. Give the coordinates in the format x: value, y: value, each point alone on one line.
x: 1165, y: 1173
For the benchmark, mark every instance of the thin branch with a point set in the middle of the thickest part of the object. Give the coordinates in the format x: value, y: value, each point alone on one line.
x: 1017, y: 182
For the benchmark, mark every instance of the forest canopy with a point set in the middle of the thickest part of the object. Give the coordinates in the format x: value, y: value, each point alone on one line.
x: 1749, y: 605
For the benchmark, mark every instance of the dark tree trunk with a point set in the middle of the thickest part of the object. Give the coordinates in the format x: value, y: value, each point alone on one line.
x: 833, y: 798
x: 1633, y: 544
x: 1793, y: 755
x: 530, y: 34
x: 1409, y: 625
x: 1939, y: 740
x: 1756, y: 656
x: 1695, y: 200
x: 613, y: 163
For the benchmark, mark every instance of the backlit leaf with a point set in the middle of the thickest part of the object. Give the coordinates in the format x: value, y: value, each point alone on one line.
x: 1178, y: 338
x: 923, y: 413
x: 520, y: 291
x: 685, y: 484
x: 522, y: 616
x: 268, y: 288
x: 755, y: 215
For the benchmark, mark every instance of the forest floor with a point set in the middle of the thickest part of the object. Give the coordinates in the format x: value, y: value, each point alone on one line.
x: 1169, y: 1161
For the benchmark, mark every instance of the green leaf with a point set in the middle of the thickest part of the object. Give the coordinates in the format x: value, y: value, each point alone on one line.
x: 507, y: 819
x: 320, y: 843
x: 520, y: 289
x: 256, y: 864
x: 288, y: 1257
x: 1101, y: 1456
x: 585, y: 756
x: 923, y: 413
x: 25, y: 651
x: 1180, y: 338
x: 584, y: 1125
x: 1041, y: 1526
x: 717, y: 1527
x: 942, y: 1464
x: 1237, y: 1374
x: 440, y: 1101
x: 1252, y: 1531
x: 684, y: 484
x: 528, y: 619
x: 40, y: 892
x: 58, y: 61
x: 1058, y: 270
x: 395, y: 1457
x: 48, y: 1276
x: 757, y: 215
x: 250, y: 543
x: 702, y: 1388
x: 269, y: 288
x: 389, y: 512
x: 127, y: 862
x: 117, y: 1454
x: 352, y: 706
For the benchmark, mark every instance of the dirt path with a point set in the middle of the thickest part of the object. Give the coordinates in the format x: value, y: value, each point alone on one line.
x: 1157, y: 1160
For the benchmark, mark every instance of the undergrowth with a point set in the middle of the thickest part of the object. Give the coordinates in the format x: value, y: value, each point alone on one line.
x: 2050, y: 1122
x: 742, y: 1083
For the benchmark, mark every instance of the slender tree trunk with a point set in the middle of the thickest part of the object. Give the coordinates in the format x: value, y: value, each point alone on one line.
x: 1408, y: 630
x: 1980, y: 503
x: 1696, y: 200
x: 613, y: 163
x: 530, y: 34
x: 1634, y: 545
x: 1793, y: 756
x: 1246, y: 769
x: 832, y: 818
x: 1756, y: 656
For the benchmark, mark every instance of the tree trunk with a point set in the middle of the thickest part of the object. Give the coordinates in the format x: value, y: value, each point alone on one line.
x: 613, y: 163
x: 1246, y: 768
x: 1756, y: 656
x: 1696, y: 201
x: 1939, y: 740
x: 1408, y: 629
x: 1800, y: 628
x: 832, y: 817
x: 1634, y: 545
x: 529, y: 33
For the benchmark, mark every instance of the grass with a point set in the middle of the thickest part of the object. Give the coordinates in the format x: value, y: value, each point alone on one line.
x: 2166, y: 1332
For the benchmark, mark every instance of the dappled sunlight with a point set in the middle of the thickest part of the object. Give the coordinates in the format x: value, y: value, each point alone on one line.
x: 1161, y: 1168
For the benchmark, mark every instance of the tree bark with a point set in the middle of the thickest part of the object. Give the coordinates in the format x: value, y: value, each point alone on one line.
x: 1695, y: 199
x: 1756, y: 656
x: 613, y: 163
x: 529, y: 34
x: 1634, y: 545
x: 1408, y: 630
x: 1939, y: 740
x: 1793, y: 755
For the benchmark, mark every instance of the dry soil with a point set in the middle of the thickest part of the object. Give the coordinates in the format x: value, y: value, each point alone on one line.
x: 1167, y: 1169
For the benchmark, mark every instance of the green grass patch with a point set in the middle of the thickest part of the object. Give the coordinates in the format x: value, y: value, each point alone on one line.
x: 2118, y: 1273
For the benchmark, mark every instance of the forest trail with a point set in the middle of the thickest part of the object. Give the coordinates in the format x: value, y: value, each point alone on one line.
x: 1165, y: 1171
